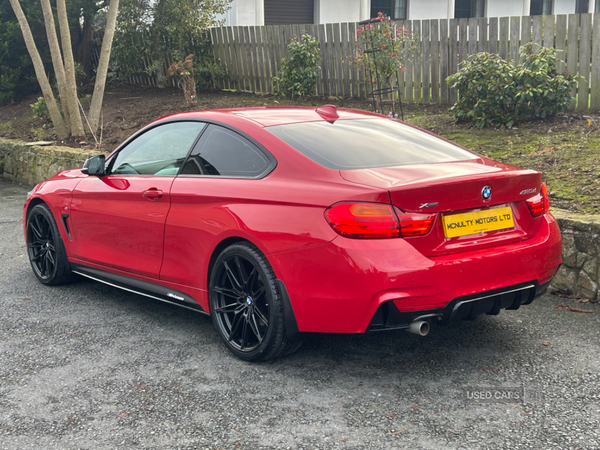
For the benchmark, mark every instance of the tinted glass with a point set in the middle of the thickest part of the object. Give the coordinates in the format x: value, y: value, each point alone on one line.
x: 367, y: 143
x: 225, y: 153
x: 159, y: 151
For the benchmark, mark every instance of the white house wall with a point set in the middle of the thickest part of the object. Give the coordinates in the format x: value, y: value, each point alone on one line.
x: 251, y: 12
x: 428, y: 9
x: 338, y: 11
x: 565, y: 6
x: 505, y: 8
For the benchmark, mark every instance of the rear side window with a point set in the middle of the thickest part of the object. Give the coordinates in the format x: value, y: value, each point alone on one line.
x: 367, y: 143
x: 222, y: 152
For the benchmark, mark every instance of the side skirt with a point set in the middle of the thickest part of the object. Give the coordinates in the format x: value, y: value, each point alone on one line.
x: 144, y: 288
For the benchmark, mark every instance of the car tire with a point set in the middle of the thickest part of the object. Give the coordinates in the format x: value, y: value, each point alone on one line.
x: 246, y: 305
x: 45, y: 248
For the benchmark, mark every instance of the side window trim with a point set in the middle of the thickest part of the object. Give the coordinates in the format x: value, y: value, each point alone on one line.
x: 199, y: 142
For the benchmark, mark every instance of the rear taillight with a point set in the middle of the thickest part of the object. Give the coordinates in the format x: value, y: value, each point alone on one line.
x: 376, y: 220
x: 415, y: 224
x: 539, y: 204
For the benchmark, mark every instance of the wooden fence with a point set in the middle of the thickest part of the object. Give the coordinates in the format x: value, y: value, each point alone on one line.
x: 253, y: 54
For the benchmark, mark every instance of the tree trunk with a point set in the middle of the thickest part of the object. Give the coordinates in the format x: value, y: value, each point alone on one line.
x: 72, y: 101
x: 57, y: 63
x: 83, y: 41
x: 40, y: 73
x: 96, y: 106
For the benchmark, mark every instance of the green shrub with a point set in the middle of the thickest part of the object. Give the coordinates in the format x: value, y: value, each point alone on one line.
x: 37, y: 133
x: 40, y: 110
x: 493, y: 91
x: 298, y: 74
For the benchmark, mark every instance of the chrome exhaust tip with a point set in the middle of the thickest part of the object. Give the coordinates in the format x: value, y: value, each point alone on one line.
x: 420, y: 327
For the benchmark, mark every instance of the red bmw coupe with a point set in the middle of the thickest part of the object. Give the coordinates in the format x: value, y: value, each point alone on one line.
x: 285, y: 221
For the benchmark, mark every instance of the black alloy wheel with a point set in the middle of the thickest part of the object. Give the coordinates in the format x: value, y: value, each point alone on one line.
x: 246, y: 304
x: 45, y: 248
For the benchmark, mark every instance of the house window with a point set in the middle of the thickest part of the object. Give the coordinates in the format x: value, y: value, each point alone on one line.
x: 582, y: 6
x: 466, y: 9
x: 287, y: 12
x: 540, y: 7
x: 396, y: 9
x: 597, y: 6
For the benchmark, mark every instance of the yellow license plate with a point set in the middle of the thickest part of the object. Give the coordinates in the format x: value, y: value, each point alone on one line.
x: 478, y: 221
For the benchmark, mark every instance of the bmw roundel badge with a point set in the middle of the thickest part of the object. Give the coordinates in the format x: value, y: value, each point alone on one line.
x: 486, y: 193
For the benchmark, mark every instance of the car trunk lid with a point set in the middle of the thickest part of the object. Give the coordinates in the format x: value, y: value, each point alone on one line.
x: 456, y: 193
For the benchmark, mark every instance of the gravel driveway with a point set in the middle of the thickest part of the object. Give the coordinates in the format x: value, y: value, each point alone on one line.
x: 88, y: 366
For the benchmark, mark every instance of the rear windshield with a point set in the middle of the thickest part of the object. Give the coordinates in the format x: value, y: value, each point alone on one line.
x: 367, y: 143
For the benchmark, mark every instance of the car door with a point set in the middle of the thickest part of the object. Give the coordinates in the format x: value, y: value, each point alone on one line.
x: 221, y: 173
x: 118, y: 219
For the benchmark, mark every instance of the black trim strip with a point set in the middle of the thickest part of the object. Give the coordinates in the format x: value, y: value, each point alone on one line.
x: 64, y: 217
x: 139, y: 287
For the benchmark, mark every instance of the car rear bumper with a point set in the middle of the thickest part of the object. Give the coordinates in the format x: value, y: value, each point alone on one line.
x: 341, y: 286
x: 388, y: 316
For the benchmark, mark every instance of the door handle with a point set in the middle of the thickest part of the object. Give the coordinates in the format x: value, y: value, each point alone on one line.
x: 152, y: 193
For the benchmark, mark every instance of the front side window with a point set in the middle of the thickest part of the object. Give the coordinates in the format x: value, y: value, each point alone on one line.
x: 396, y: 9
x: 367, y: 143
x: 540, y: 7
x: 223, y: 152
x: 159, y: 151
x: 467, y: 9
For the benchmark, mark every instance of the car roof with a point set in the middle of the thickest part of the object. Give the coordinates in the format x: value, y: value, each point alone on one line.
x: 277, y: 115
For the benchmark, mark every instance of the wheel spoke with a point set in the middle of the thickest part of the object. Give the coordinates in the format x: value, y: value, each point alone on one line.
x: 231, y: 308
x: 259, y: 292
x: 237, y: 320
x: 230, y: 275
x: 245, y: 330
x: 50, y: 257
x: 242, y: 271
x: 40, y: 225
x: 39, y: 254
x: 255, y: 328
x: 46, y: 271
x: 251, y: 278
x: 228, y: 292
x: 261, y: 317
x: 36, y: 231
x: 35, y: 244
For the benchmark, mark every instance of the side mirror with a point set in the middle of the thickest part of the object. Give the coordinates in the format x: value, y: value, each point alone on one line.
x: 94, y: 166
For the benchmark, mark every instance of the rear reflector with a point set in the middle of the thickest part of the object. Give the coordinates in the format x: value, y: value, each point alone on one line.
x: 539, y: 204
x: 376, y: 220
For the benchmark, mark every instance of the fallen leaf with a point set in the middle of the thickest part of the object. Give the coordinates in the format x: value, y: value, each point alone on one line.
x: 400, y: 431
x: 574, y: 309
x: 546, y: 343
x: 579, y: 300
x: 392, y: 416
x: 122, y: 415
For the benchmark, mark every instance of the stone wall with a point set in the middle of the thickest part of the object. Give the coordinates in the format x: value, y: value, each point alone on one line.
x: 580, y: 272
x: 581, y: 249
x: 30, y: 164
